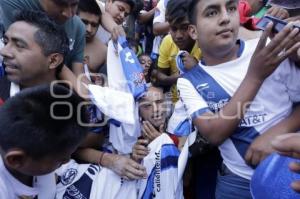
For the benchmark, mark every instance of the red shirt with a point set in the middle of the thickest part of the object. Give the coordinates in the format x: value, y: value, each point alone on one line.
x: 245, y: 19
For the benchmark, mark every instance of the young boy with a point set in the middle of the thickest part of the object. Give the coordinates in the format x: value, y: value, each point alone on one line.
x: 230, y: 95
x: 39, y: 131
x: 178, y: 39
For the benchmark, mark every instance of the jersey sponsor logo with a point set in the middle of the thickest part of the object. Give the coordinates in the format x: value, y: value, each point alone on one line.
x: 202, y: 87
x: 69, y: 176
x: 253, y: 120
x: 157, y: 172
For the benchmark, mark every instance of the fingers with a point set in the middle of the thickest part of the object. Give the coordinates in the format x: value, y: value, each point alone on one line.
x: 282, y: 41
x: 288, y: 144
x: 295, y: 167
x: 252, y: 158
x: 135, y: 171
x: 140, y: 150
x: 248, y: 156
x: 296, y: 186
x: 150, y: 132
x: 263, y: 39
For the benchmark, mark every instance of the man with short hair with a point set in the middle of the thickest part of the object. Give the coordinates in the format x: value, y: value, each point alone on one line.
x: 29, y: 58
x: 63, y: 13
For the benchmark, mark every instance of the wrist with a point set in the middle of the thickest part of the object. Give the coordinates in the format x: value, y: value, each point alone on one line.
x: 100, y: 159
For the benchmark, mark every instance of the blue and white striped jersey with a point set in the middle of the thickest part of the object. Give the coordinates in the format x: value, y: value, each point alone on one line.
x: 209, y: 88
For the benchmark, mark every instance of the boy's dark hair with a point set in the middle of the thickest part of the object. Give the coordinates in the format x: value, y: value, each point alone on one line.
x: 131, y: 3
x: 28, y: 122
x: 50, y: 37
x: 177, y: 11
x: 192, y: 11
x: 90, y: 6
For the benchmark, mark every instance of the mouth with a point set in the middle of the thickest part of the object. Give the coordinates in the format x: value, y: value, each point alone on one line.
x: 225, y: 32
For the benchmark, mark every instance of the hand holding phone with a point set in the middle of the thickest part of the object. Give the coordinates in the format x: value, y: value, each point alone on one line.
x: 278, y: 24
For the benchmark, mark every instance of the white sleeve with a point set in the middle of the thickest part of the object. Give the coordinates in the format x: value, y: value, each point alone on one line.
x: 159, y: 16
x: 193, y: 101
x: 292, y: 80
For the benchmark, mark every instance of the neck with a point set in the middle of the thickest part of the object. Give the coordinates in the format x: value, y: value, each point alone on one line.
x: 212, y: 58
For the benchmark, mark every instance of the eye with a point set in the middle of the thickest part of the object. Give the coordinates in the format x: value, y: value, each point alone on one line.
x: 211, y: 13
x: 20, y: 45
x: 232, y: 9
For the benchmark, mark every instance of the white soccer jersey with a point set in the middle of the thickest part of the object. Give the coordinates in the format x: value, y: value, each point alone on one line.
x: 209, y: 88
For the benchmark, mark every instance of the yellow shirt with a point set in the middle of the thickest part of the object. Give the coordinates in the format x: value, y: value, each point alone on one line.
x: 168, y: 51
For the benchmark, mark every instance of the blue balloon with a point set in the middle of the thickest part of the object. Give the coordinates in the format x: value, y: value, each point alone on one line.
x: 272, y: 179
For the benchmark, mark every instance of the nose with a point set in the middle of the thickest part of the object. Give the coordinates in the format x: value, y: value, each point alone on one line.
x: 155, y: 108
x: 178, y: 34
x: 88, y: 28
x: 5, y: 52
x: 225, y: 18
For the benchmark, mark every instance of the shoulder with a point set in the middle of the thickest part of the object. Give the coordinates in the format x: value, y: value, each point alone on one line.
x: 75, y: 24
x: 167, y: 43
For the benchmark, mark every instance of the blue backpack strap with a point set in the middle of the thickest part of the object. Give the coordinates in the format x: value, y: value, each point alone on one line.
x: 216, y: 98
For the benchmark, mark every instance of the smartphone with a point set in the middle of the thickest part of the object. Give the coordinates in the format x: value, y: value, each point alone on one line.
x: 278, y: 23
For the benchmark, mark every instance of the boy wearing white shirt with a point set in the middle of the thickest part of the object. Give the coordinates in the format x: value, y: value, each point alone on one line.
x: 230, y: 95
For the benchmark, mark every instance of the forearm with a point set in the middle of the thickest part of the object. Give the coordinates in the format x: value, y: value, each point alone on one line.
x: 166, y: 80
x: 144, y: 17
x: 161, y: 28
x: 219, y: 126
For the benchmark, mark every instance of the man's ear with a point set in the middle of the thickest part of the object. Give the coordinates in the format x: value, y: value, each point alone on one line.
x: 54, y: 60
x: 193, y: 32
x: 15, y: 158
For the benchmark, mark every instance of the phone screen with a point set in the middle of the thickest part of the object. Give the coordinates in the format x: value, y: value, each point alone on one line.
x: 278, y: 23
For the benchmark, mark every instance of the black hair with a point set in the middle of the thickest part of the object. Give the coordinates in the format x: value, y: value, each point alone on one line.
x: 50, y: 36
x: 90, y: 6
x: 193, y: 11
x: 32, y: 121
x: 177, y: 11
x: 131, y: 3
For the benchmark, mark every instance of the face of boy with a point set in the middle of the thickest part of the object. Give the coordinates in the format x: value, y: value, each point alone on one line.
x: 217, y: 24
x: 119, y: 10
x: 180, y: 35
x: 91, y: 22
x: 152, y: 108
